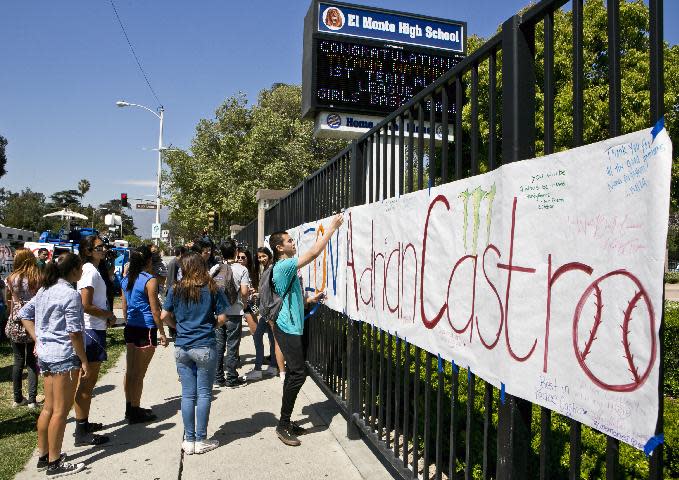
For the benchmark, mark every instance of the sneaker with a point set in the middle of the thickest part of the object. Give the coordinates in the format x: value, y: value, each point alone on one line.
x: 220, y: 383
x: 22, y: 403
x: 202, y: 446
x: 286, y: 437
x: 43, y: 463
x: 238, y: 382
x: 33, y: 405
x: 62, y: 469
x: 127, y: 411
x: 271, y: 370
x: 188, y: 448
x: 252, y: 375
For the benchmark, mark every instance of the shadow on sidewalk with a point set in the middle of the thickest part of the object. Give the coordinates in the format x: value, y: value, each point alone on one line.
x: 246, y: 427
x: 128, y: 437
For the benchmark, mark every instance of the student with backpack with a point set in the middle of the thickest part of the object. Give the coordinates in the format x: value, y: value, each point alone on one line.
x: 286, y: 306
x: 234, y: 280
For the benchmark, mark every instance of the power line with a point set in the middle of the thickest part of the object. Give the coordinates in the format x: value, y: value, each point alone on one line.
x: 141, y: 69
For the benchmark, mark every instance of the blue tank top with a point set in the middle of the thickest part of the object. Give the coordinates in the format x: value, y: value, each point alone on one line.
x: 138, y: 307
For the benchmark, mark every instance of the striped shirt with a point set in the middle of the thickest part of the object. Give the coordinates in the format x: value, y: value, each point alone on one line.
x: 56, y: 311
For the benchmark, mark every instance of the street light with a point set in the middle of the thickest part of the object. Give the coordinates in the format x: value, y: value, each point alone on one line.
x: 158, y: 114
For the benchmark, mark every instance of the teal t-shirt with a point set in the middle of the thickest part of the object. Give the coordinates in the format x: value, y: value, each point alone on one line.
x: 291, y: 317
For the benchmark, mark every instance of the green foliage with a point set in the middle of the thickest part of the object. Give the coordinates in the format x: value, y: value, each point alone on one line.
x: 244, y: 148
x: 66, y: 199
x: 83, y: 187
x: 671, y: 352
x: 671, y: 277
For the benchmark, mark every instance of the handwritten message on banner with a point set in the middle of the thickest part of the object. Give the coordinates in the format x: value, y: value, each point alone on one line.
x: 545, y: 275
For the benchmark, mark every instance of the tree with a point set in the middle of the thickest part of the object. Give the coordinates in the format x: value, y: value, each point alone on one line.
x: 25, y: 210
x: 66, y: 198
x: 83, y: 187
x: 3, y: 156
x: 240, y: 151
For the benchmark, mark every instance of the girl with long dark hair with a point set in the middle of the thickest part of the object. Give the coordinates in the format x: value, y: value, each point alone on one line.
x: 54, y: 319
x: 98, y: 317
x: 22, y: 285
x: 141, y: 310
x: 190, y: 307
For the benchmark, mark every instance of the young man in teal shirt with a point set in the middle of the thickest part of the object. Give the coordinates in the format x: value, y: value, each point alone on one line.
x: 289, y: 325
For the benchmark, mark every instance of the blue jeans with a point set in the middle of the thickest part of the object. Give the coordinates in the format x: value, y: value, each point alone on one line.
x: 196, y: 368
x: 258, y: 338
x: 228, y: 340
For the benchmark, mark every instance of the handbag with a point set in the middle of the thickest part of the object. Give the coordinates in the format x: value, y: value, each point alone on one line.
x: 14, y: 329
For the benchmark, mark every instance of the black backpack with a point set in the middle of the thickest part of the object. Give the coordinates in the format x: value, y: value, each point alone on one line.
x: 224, y: 279
x: 270, y: 303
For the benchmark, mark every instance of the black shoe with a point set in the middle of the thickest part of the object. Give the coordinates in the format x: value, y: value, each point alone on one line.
x: 286, y: 437
x: 127, y: 411
x: 62, y: 469
x: 141, y: 415
x: 43, y: 462
x: 220, y: 383
x: 90, y: 440
x: 238, y: 382
x: 297, y: 429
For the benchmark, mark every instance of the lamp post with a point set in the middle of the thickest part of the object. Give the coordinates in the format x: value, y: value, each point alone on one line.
x: 158, y: 114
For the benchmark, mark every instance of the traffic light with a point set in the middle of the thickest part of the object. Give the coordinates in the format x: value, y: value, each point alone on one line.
x: 123, y: 199
x: 213, y: 220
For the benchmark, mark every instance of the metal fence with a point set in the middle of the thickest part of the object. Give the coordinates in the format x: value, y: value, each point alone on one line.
x: 248, y: 236
x: 423, y: 416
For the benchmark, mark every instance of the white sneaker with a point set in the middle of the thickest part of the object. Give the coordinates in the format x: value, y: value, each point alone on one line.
x: 270, y: 370
x: 203, y: 446
x: 22, y: 403
x: 188, y: 447
x: 252, y: 375
x: 33, y: 405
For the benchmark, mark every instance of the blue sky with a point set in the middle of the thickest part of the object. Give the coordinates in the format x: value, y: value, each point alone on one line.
x: 64, y: 65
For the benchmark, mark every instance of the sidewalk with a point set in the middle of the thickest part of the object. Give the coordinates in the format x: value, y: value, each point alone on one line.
x: 242, y: 419
x: 672, y: 291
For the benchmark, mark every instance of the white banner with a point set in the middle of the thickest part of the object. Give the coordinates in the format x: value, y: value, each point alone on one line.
x: 544, y: 277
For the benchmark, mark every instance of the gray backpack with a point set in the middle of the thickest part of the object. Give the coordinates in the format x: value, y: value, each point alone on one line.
x: 224, y: 279
x: 270, y: 303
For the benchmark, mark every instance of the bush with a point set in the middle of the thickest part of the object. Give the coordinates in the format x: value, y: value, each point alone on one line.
x: 671, y: 277
x: 671, y: 350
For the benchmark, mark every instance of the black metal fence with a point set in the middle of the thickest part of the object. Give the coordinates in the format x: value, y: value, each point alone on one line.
x: 248, y: 236
x: 423, y: 416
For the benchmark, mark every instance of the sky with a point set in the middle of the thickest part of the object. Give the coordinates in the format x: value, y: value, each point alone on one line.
x: 63, y: 65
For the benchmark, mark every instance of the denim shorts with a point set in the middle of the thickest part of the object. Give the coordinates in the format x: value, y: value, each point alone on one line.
x: 61, y: 366
x: 95, y: 345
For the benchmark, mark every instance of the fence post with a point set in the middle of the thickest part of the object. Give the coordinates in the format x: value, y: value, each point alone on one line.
x: 518, y: 143
x: 356, y: 197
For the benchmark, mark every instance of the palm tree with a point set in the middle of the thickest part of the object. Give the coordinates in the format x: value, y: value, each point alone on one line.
x: 83, y: 187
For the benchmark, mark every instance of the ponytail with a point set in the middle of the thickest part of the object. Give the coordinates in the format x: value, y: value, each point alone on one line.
x: 60, y: 268
x: 138, y: 260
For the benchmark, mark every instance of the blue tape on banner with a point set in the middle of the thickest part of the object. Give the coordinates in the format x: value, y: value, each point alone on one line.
x: 440, y: 364
x: 312, y: 312
x: 502, y: 393
x: 310, y: 229
x: 658, y: 127
x: 455, y: 367
x: 652, y: 443
x: 309, y: 289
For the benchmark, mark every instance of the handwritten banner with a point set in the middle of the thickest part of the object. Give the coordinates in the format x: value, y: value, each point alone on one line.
x: 544, y: 275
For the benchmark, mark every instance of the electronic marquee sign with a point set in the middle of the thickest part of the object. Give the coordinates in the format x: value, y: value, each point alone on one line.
x: 370, y: 61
